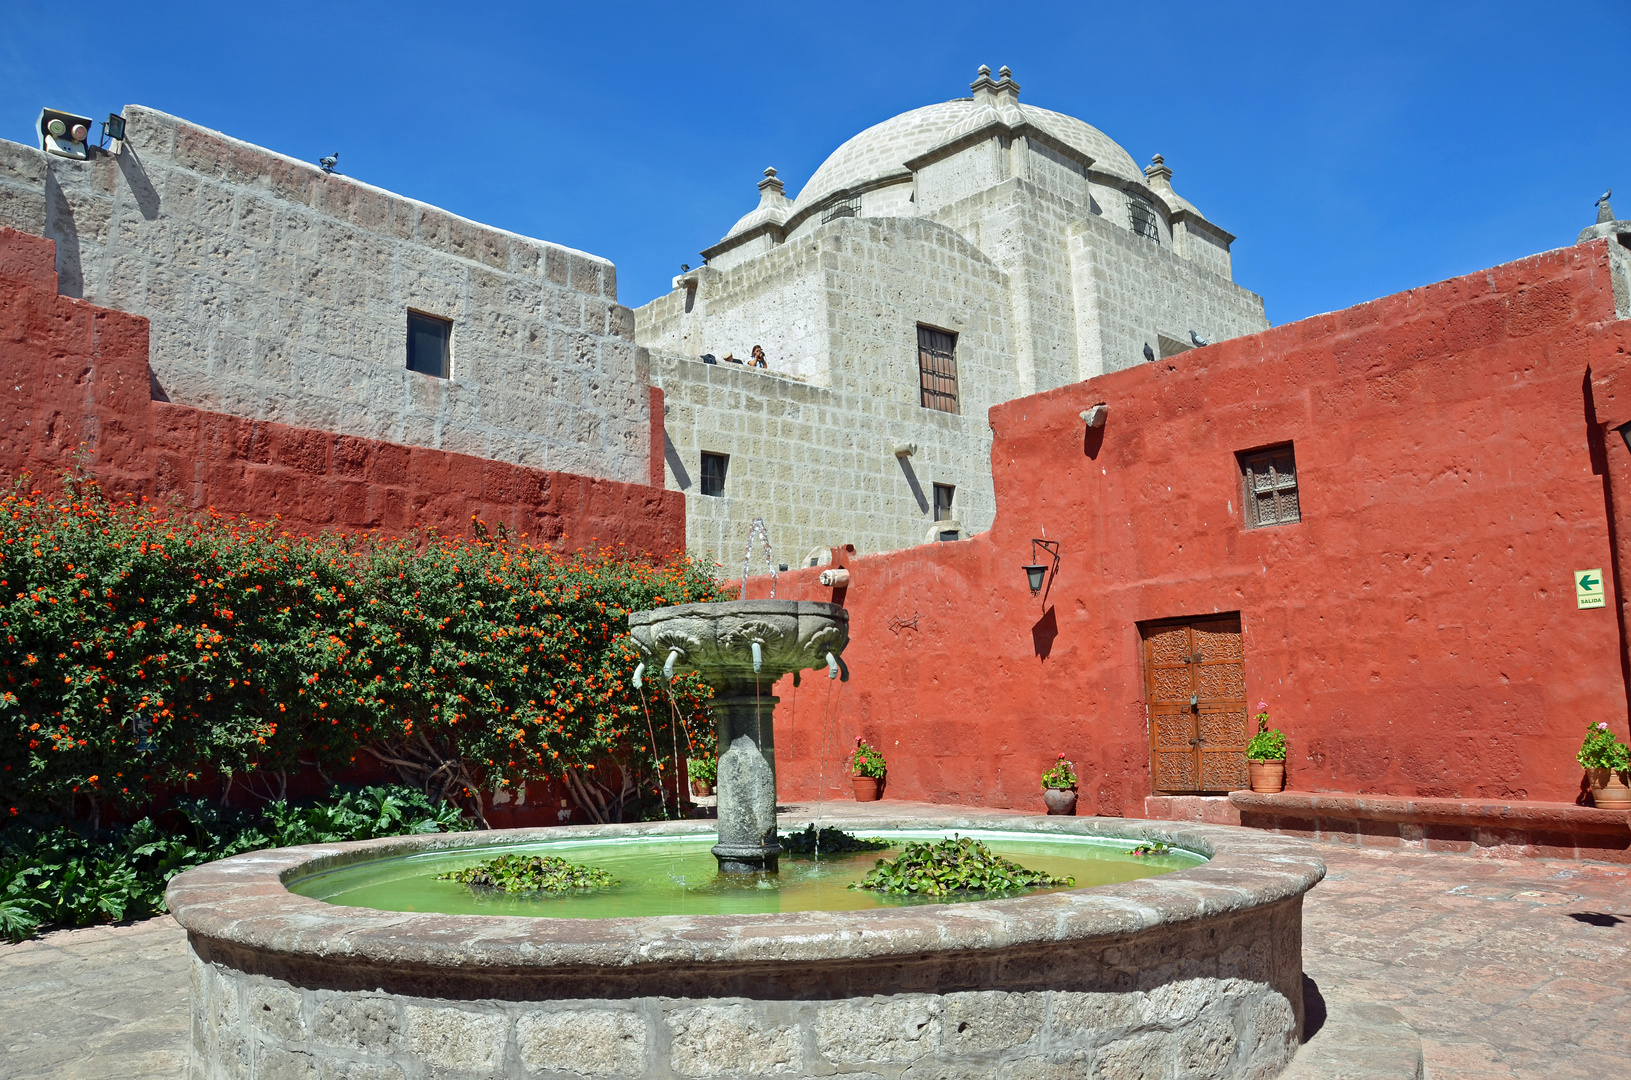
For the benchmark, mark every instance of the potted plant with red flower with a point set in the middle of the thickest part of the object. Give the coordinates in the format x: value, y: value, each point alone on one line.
x: 1607, y: 762
x: 1059, y: 787
x: 1266, y: 755
x: 868, y: 768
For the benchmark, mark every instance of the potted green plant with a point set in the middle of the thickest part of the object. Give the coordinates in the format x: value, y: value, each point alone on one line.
x: 1059, y: 787
x: 868, y: 768
x: 1266, y: 754
x: 703, y: 771
x: 1607, y: 762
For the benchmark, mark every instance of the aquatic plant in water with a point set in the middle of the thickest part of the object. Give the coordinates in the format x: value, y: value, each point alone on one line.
x: 960, y: 864
x: 831, y: 842
x: 530, y: 873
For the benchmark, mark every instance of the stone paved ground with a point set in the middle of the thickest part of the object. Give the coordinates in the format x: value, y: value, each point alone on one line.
x: 1505, y: 969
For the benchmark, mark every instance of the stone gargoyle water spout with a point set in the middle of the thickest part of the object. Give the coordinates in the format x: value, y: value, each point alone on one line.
x: 740, y: 648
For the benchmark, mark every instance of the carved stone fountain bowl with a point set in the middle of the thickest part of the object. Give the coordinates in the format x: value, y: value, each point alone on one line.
x: 717, y: 639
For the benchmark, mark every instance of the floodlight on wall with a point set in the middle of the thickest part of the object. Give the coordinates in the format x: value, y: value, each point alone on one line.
x: 905, y: 449
x: 63, y: 133
x: 1036, y: 571
x: 1625, y: 433
x: 1094, y: 417
x: 113, y: 128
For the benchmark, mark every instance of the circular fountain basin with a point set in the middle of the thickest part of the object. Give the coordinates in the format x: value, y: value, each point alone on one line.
x: 676, y: 875
x: 1194, y: 972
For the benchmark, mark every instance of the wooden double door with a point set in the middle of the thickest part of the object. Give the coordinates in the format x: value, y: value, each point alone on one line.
x: 1195, y: 687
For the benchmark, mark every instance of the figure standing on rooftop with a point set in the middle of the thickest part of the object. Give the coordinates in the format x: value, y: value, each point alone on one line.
x: 758, y: 357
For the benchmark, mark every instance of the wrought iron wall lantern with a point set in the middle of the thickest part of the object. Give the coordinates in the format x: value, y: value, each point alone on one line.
x: 1625, y: 433
x: 1036, y: 571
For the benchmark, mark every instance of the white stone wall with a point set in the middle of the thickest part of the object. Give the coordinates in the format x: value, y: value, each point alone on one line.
x: 1129, y: 290
x: 278, y: 292
x: 817, y: 462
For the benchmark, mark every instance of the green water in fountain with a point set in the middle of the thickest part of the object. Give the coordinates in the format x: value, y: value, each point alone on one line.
x: 679, y: 876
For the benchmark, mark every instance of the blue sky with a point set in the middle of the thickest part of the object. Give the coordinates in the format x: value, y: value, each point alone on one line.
x: 1355, y: 150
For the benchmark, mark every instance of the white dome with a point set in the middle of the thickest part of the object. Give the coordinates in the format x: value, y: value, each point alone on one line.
x: 883, y: 149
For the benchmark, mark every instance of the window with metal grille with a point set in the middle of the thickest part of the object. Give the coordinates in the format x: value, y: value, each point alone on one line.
x: 429, y: 344
x: 1141, y: 214
x: 942, y: 502
x: 713, y: 473
x: 937, y: 369
x: 1269, y: 479
x: 843, y: 208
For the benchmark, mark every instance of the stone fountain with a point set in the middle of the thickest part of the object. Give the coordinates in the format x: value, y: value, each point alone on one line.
x: 740, y: 648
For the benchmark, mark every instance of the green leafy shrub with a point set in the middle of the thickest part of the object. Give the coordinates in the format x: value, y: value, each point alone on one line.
x: 145, y: 650
x: 530, y: 873
x: 865, y: 760
x: 1266, y: 745
x: 705, y: 769
x: 831, y: 842
x: 1601, y: 750
x: 55, y: 874
x: 1061, y: 775
x: 960, y: 864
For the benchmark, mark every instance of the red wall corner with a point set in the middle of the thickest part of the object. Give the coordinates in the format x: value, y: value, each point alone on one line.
x: 655, y: 476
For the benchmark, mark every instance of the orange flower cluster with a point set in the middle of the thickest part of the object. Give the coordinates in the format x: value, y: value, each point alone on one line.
x: 144, y: 648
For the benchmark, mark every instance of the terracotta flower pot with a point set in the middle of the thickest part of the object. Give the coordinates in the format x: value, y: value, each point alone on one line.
x: 1268, y: 777
x: 701, y: 787
x: 1060, y: 800
x: 1609, y: 790
x: 868, y: 788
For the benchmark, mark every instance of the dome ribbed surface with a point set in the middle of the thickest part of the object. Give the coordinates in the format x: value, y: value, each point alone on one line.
x: 883, y: 149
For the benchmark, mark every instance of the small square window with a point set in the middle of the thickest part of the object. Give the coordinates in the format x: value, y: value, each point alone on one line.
x: 1269, y: 487
x: 942, y: 502
x: 429, y: 344
x: 713, y: 473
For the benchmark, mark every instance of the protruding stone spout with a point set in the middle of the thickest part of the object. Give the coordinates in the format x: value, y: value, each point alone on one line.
x: 741, y: 648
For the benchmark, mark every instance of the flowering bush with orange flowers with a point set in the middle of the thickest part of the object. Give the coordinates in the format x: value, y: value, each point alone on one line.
x: 143, y: 648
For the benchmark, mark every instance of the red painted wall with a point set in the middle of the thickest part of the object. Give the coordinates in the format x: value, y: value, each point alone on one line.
x: 72, y: 373
x: 1416, y: 633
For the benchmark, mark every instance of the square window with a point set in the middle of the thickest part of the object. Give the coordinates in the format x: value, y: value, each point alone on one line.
x: 429, y: 344
x: 937, y: 369
x: 1269, y: 487
x: 713, y: 473
x: 1141, y: 216
x: 942, y: 502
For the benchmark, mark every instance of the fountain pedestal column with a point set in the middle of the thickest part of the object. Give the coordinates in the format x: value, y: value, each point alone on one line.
x: 747, y: 780
x: 740, y: 648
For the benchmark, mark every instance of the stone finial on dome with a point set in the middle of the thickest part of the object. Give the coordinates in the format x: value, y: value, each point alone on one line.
x: 771, y: 197
x: 985, y: 90
x: 1007, y: 91
x: 1159, y: 175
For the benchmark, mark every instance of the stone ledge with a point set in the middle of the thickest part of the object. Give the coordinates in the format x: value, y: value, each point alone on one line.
x: 1517, y: 829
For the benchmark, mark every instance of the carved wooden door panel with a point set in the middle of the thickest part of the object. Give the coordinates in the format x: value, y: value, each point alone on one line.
x: 1195, y: 686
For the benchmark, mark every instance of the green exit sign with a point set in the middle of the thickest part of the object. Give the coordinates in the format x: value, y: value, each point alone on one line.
x: 1588, y: 588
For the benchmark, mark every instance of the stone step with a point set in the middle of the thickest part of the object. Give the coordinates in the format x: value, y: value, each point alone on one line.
x: 1355, y: 1041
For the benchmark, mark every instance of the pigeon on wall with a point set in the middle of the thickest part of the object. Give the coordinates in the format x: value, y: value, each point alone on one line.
x: 330, y: 162
x: 1604, y: 211
x: 1199, y: 341
x: 1149, y: 353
